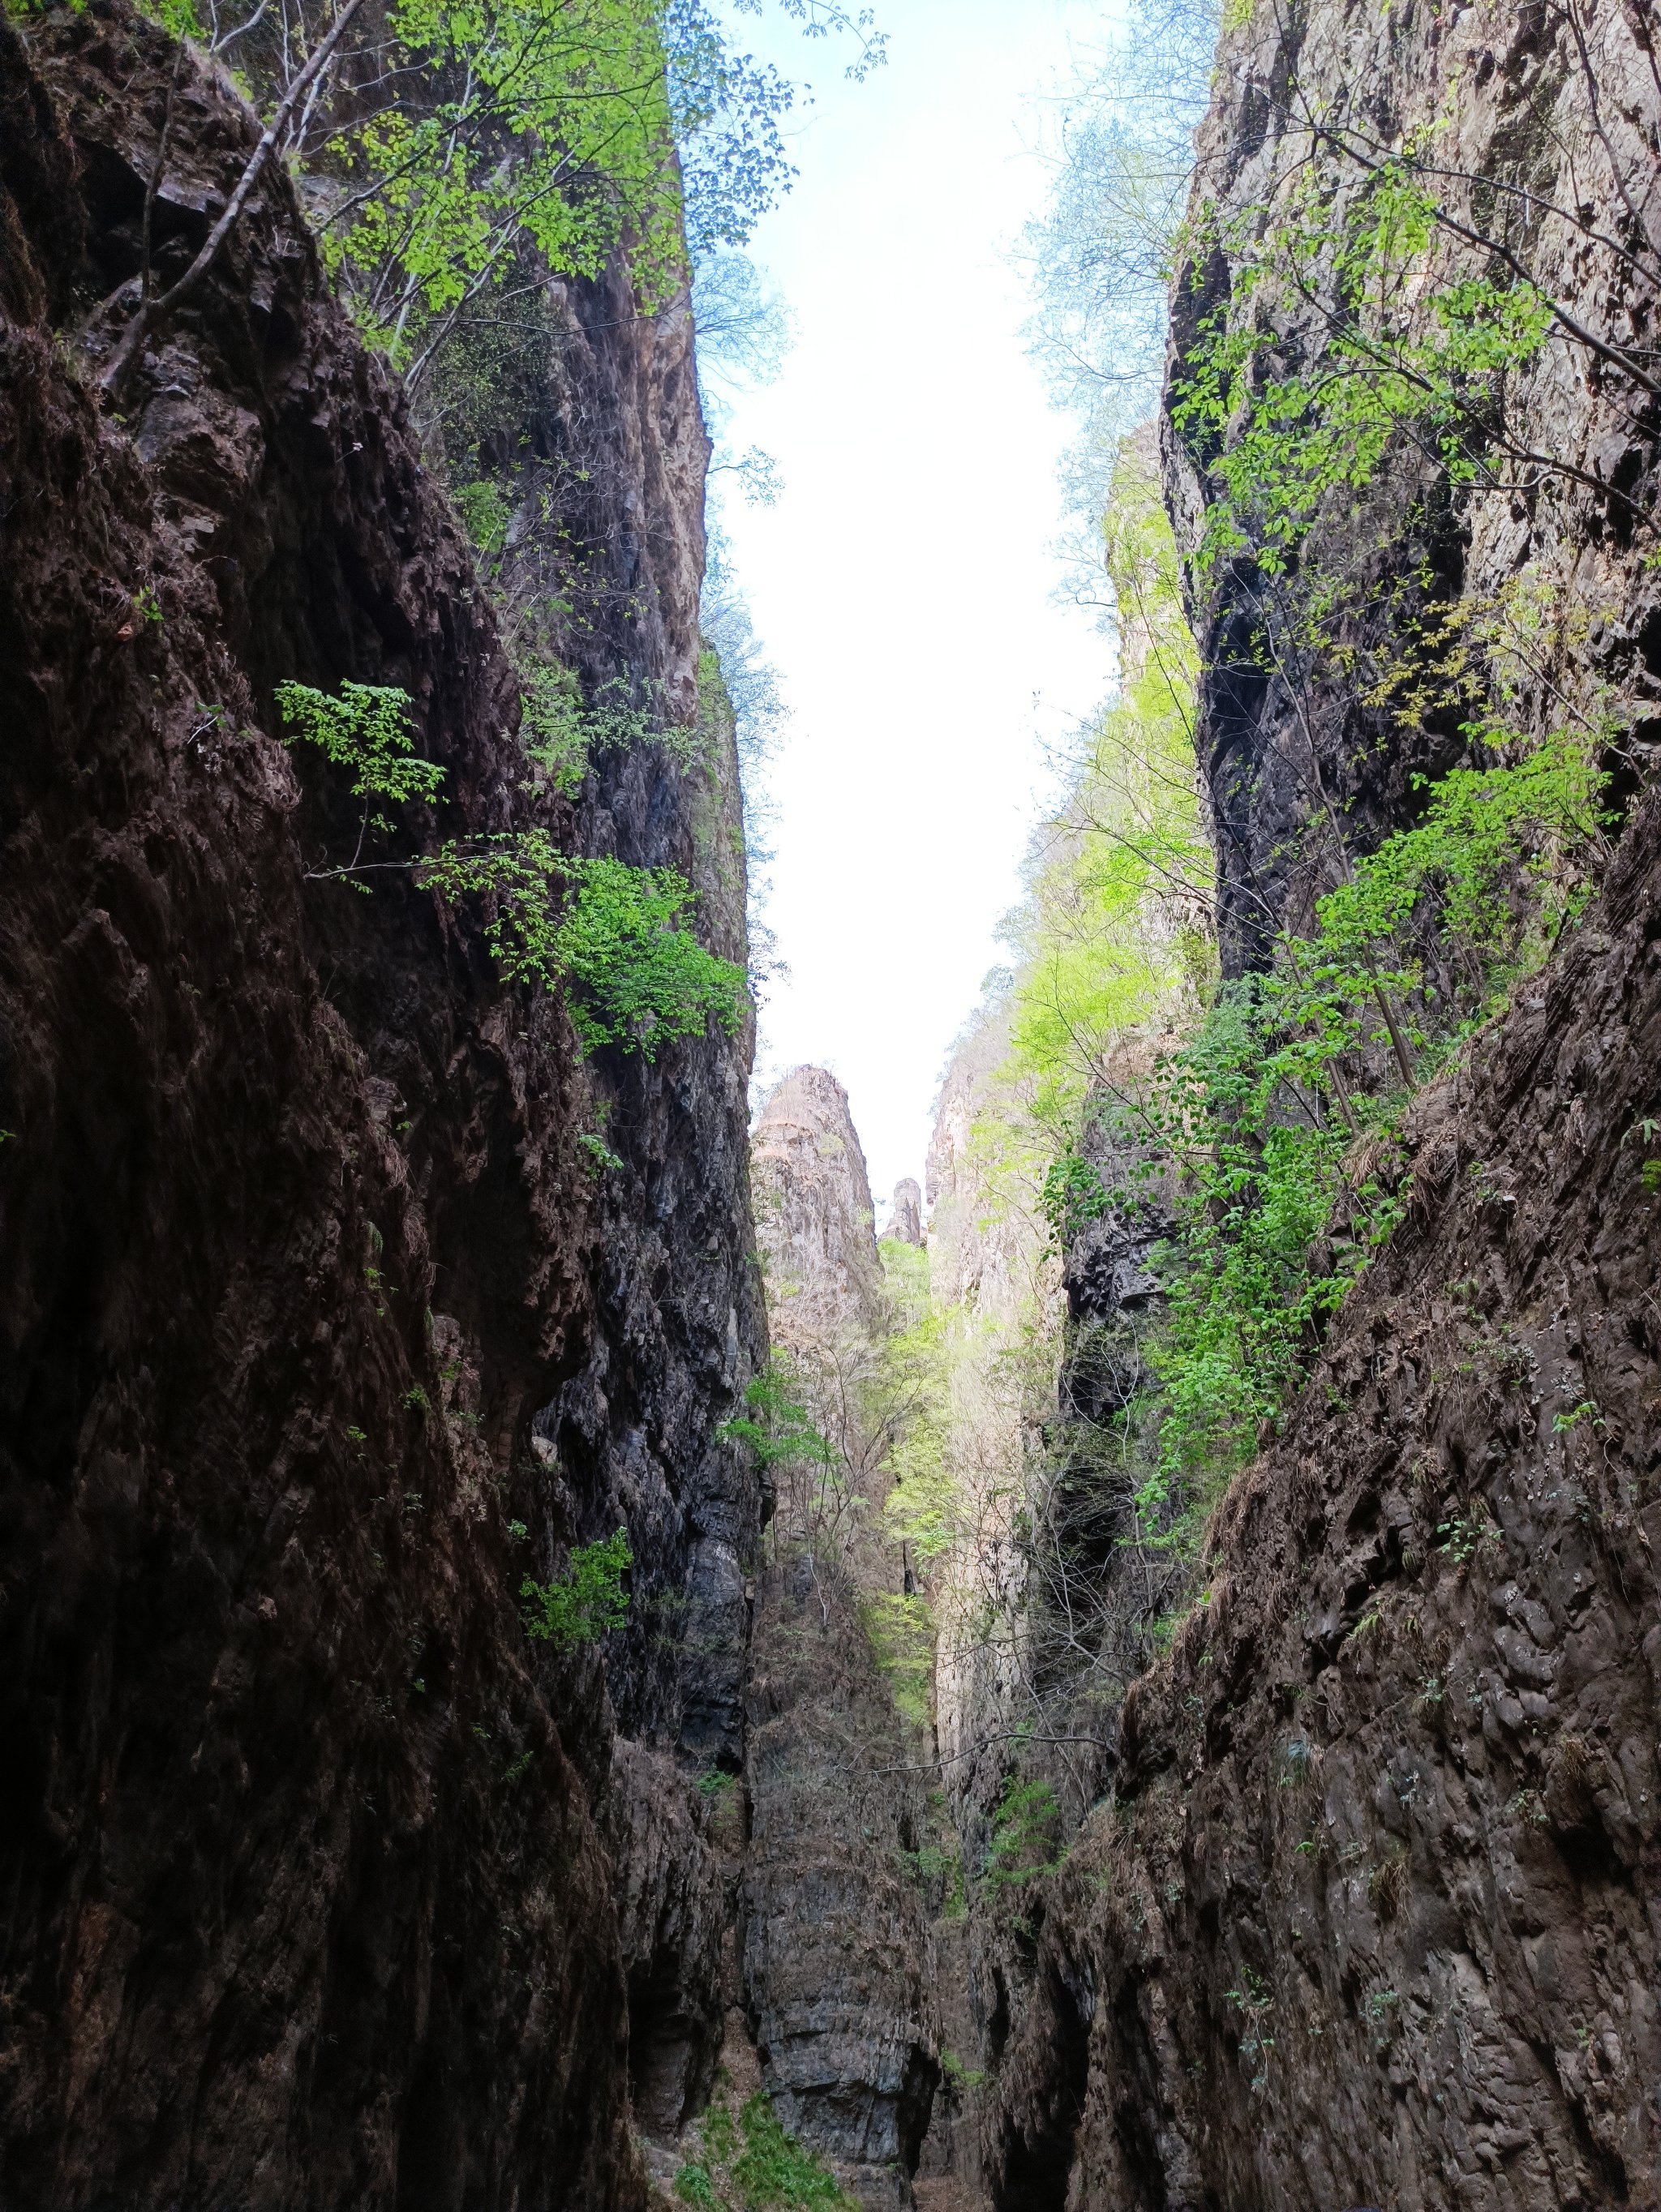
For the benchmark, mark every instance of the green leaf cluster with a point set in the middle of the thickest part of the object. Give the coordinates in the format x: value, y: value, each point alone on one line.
x: 616, y: 933
x: 619, y: 935
x: 1336, y: 344
x: 549, y: 133
x: 1260, y: 1117
x: 585, y: 1602
x: 754, y: 2164
x: 900, y: 1631
x: 1112, y: 937
x: 366, y: 730
x: 644, y: 978
x: 1073, y: 1195
x: 1025, y: 1835
x: 776, y: 1423
x: 562, y: 733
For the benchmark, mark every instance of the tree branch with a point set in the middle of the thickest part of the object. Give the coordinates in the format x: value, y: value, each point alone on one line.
x: 153, y: 311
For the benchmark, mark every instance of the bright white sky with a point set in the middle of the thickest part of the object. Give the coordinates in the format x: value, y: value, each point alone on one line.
x: 902, y: 584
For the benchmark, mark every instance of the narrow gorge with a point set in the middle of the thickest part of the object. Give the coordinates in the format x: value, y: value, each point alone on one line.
x: 559, y: 1652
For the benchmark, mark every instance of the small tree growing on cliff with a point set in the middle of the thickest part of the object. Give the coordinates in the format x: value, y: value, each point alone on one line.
x: 472, y: 149
x: 587, y: 1601
x: 617, y: 933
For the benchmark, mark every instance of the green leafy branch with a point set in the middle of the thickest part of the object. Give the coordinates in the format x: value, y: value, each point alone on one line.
x: 367, y: 731
x: 1025, y: 1826
x: 618, y: 933
x: 585, y: 1603
x: 1267, y: 1138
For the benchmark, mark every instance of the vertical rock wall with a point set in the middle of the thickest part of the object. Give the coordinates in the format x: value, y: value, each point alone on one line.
x: 325, y: 1887
x: 1542, y: 135
x: 1370, y: 1919
x: 836, y: 1953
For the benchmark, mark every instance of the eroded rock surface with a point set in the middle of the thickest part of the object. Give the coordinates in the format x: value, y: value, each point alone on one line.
x: 311, y: 1293
x: 837, y: 1962
x: 814, y: 1219
x: 1371, y: 1921
x: 1293, y: 740
x: 1371, y: 1916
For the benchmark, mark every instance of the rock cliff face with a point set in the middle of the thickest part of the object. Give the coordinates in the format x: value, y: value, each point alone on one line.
x: 814, y: 1219
x: 837, y: 1960
x: 1370, y: 1917
x: 325, y: 1887
x: 905, y: 1213
x: 1536, y: 133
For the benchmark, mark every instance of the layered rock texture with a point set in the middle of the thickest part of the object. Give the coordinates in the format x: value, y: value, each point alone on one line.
x: 905, y: 1213
x: 319, y: 1328
x: 1370, y: 1917
x: 1542, y: 120
x: 814, y: 1218
x: 837, y: 1960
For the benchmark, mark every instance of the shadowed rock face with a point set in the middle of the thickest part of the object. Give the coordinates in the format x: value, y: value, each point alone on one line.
x: 1374, y: 1920
x: 837, y: 1957
x: 1510, y: 103
x: 325, y: 1887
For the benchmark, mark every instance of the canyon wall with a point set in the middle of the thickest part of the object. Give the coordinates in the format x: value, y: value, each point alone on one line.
x: 1530, y: 141
x: 1369, y: 1916
x: 322, y: 1327
x: 837, y: 1955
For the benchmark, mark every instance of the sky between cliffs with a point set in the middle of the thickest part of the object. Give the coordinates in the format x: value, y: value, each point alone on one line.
x: 902, y: 584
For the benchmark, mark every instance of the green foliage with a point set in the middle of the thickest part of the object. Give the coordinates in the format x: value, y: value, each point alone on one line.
x: 519, y: 877
x: 1464, y: 1535
x: 1255, y: 2001
x: 1110, y: 938
x: 908, y: 1399
x: 901, y: 1633
x: 485, y: 512
x: 1398, y: 359
x: 694, y: 2186
x: 561, y: 734
x: 619, y: 934
x: 1479, y: 826
x: 645, y: 977
x: 775, y: 1424
x: 585, y: 1603
x: 1073, y: 1195
x: 773, y: 2170
x: 366, y: 730
x: 469, y: 144
x: 1259, y: 1181
x: 1100, y: 260
x: 751, y: 2165
x: 1257, y: 1115
x: 1025, y: 1835
x: 547, y: 138
x: 553, y: 135
x: 961, y: 2076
